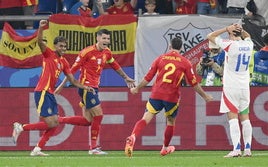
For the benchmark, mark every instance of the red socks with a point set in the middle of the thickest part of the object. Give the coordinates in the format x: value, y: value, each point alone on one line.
x: 95, y: 129
x: 138, y: 127
x: 45, y: 137
x: 75, y: 120
x: 168, y: 135
x: 35, y: 126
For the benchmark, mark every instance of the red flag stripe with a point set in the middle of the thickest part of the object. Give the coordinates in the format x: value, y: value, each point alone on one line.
x: 31, y: 62
x: 103, y: 20
x: 13, y: 34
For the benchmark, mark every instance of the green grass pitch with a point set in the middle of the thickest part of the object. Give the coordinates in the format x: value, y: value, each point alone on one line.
x: 139, y: 159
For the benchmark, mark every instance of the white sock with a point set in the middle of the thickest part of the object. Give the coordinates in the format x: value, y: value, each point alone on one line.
x: 235, y: 133
x: 247, y: 133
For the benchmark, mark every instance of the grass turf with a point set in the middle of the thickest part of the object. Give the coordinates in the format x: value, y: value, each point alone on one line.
x: 139, y: 159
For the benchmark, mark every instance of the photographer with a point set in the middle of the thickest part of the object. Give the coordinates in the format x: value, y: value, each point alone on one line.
x: 210, y: 66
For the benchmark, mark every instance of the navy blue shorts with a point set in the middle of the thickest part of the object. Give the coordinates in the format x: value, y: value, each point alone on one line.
x: 89, y: 99
x: 46, y: 104
x: 155, y: 106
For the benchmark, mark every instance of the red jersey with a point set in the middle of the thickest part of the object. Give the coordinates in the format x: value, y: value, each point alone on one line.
x: 86, y: 13
x: 91, y: 62
x: 170, y: 68
x: 52, y: 66
x: 126, y: 9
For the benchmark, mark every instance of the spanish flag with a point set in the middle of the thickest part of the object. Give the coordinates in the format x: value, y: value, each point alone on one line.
x: 81, y: 32
x: 17, y: 51
x: 23, y: 52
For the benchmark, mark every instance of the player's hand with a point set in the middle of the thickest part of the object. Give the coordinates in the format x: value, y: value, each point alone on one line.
x: 90, y: 89
x: 208, y: 98
x: 130, y: 82
x: 43, y: 23
x: 234, y: 27
x: 210, y: 63
x: 134, y: 90
x: 99, y: 3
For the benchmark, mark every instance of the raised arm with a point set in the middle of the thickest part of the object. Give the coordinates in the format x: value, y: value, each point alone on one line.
x: 40, y: 41
x: 211, y: 36
x: 133, y: 3
x: 100, y: 7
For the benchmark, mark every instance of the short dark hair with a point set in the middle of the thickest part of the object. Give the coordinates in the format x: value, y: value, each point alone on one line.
x: 147, y: 2
x: 176, y: 43
x: 237, y: 33
x: 103, y: 31
x: 265, y: 39
x: 59, y: 39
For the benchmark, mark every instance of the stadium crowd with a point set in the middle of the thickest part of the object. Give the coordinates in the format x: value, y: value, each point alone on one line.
x: 98, y: 7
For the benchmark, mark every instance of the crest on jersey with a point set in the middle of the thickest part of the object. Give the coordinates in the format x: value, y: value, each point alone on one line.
x: 93, y: 101
x: 49, y: 111
x: 77, y: 59
x: 99, y: 61
x: 191, y: 36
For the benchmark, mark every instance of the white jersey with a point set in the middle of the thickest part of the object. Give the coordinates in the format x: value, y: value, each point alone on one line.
x: 238, y: 53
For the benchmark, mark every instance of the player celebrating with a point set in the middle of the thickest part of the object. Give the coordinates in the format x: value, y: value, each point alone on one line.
x: 53, y: 64
x: 170, y: 69
x: 236, y: 94
x: 91, y: 61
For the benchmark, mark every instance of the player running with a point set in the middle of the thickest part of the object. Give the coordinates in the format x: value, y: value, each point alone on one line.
x: 53, y: 64
x: 170, y: 69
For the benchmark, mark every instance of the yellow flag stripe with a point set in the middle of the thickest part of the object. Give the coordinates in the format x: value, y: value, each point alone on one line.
x: 122, y: 36
x: 18, y: 50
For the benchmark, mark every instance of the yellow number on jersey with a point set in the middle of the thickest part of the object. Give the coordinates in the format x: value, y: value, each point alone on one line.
x: 170, y: 67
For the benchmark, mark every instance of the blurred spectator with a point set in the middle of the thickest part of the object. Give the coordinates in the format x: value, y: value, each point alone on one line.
x: 49, y: 6
x: 164, y: 7
x: 67, y: 5
x: 210, y: 66
x: 260, y: 65
x: 185, y: 7
x: 140, y: 7
x: 222, y: 6
x: 236, y: 7
x: 29, y: 7
x: 150, y: 7
x: 119, y: 7
x: 207, y: 7
x: 81, y: 8
x: 12, y: 7
x: 262, y: 7
x: 255, y: 23
x: 105, y: 4
x: 251, y: 8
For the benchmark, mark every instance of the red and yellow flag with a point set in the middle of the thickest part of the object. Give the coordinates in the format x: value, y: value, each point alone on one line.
x: 17, y: 51
x: 23, y: 52
x: 81, y: 32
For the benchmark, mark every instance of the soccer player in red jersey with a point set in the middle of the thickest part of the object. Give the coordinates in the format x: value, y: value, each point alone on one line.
x: 91, y: 61
x: 53, y: 64
x: 119, y: 7
x: 170, y: 68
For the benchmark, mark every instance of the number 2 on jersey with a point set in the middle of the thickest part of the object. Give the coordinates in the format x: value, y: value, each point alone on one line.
x: 242, y: 60
x: 170, y: 68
